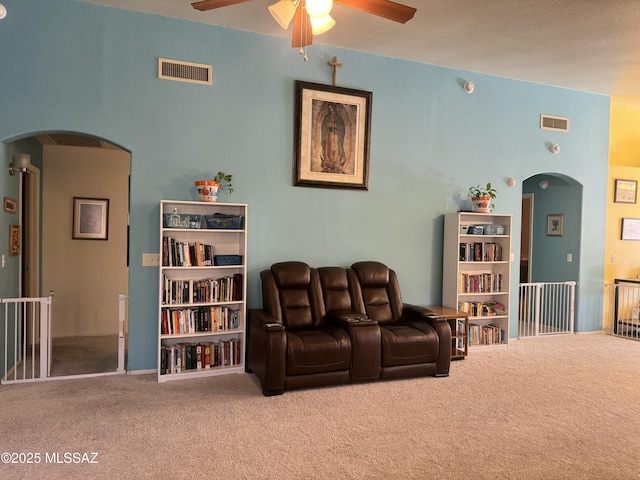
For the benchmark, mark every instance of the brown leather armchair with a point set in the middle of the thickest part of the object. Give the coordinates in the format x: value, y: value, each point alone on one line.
x: 415, y: 342
x: 291, y: 344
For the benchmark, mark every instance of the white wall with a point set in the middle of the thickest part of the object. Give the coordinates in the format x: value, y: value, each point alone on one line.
x: 85, y: 275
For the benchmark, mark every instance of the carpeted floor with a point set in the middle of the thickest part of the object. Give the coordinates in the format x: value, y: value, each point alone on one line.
x: 73, y: 356
x: 82, y: 355
x: 562, y: 407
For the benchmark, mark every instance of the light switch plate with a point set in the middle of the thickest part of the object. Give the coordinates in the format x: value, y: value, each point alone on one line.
x: 150, y: 259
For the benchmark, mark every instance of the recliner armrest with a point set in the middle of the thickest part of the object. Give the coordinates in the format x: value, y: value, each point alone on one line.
x: 415, y: 312
x: 349, y: 319
x: 266, y: 351
x: 264, y: 321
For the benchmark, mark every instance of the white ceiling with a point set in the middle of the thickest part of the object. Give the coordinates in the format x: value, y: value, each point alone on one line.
x: 588, y: 45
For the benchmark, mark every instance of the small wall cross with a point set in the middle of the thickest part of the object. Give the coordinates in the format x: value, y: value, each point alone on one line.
x: 335, y: 66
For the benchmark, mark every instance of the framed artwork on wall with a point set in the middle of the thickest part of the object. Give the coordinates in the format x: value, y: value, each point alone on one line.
x: 14, y: 240
x: 10, y: 205
x: 630, y: 229
x: 332, y: 136
x: 555, y: 225
x: 90, y: 218
x: 626, y: 191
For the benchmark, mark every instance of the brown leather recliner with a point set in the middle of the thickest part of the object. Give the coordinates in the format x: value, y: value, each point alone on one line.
x: 291, y: 344
x: 332, y: 325
x: 415, y: 342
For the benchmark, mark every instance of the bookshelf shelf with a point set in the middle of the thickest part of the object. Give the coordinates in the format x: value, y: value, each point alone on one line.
x: 476, y: 274
x: 201, y: 305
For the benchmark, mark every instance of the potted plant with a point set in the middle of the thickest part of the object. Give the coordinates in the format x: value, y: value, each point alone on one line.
x: 208, y: 189
x: 481, y: 197
x: 224, y: 181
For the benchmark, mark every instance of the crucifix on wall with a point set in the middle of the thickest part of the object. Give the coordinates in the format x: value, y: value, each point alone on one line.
x: 335, y: 66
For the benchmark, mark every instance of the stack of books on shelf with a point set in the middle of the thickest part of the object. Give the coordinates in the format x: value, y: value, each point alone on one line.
x: 180, y: 321
x: 486, y: 335
x: 207, y: 290
x: 196, y: 356
x: 483, y: 309
x: 183, y: 254
x: 480, y: 282
x: 480, y: 252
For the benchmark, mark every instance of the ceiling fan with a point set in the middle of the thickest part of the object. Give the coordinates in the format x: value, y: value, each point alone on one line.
x: 311, y: 17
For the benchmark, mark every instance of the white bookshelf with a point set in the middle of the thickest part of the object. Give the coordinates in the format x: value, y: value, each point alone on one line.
x: 475, y: 278
x: 192, y: 290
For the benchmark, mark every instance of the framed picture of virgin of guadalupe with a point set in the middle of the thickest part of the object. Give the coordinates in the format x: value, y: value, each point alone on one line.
x: 332, y: 136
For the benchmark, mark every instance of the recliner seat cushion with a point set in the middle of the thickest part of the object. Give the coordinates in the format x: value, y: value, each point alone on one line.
x: 408, y: 343
x: 317, y: 351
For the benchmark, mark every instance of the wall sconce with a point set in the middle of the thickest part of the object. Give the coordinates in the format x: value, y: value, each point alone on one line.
x: 469, y: 87
x: 543, y: 184
x: 3, y: 11
x: 20, y: 164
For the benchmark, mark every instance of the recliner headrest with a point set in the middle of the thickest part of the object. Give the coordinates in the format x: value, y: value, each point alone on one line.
x: 372, y: 274
x: 291, y: 274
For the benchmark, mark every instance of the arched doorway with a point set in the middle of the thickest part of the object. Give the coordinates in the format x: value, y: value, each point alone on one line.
x: 86, y: 275
x: 550, y: 253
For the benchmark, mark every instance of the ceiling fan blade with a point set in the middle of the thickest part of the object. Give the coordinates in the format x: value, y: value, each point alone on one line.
x: 382, y: 8
x: 205, y: 5
x: 302, y: 35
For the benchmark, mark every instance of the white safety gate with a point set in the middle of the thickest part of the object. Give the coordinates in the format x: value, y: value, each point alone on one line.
x: 622, y: 307
x: 26, y: 326
x: 546, y: 308
x: 27, y: 332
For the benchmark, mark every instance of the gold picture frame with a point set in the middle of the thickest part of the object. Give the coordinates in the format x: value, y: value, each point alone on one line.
x: 10, y: 205
x: 90, y: 218
x: 332, y: 136
x: 14, y: 240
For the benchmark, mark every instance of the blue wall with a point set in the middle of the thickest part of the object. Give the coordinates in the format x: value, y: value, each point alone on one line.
x: 70, y: 66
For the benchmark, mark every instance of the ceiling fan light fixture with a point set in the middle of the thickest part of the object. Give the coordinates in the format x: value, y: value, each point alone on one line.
x: 283, y: 12
x: 321, y: 25
x: 319, y: 8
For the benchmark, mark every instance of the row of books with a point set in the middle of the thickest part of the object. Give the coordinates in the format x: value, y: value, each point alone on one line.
x: 480, y: 282
x: 486, y: 335
x: 182, y: 254
x: 196, y: 356
x: 480, y: 252
x: 176, y: 321
x: 207, y: 290
x: 483, y: 309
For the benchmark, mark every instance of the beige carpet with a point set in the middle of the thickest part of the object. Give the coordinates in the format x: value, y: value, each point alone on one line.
x: 564, y: 407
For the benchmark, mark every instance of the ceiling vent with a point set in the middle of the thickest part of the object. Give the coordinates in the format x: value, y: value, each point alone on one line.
x: 184, y: 71
x: 549, y: 122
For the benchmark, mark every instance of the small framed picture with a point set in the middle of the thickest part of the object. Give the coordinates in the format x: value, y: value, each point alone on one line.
x: 630, y: 229
x: 14, y: 240
x: 555, y: 225
x: 10, y: 205
x: 626, y: 191
x: 90, y: 218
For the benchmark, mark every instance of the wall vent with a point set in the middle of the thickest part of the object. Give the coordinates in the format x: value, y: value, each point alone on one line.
x: 184, y: 71
x: 550, y: 122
